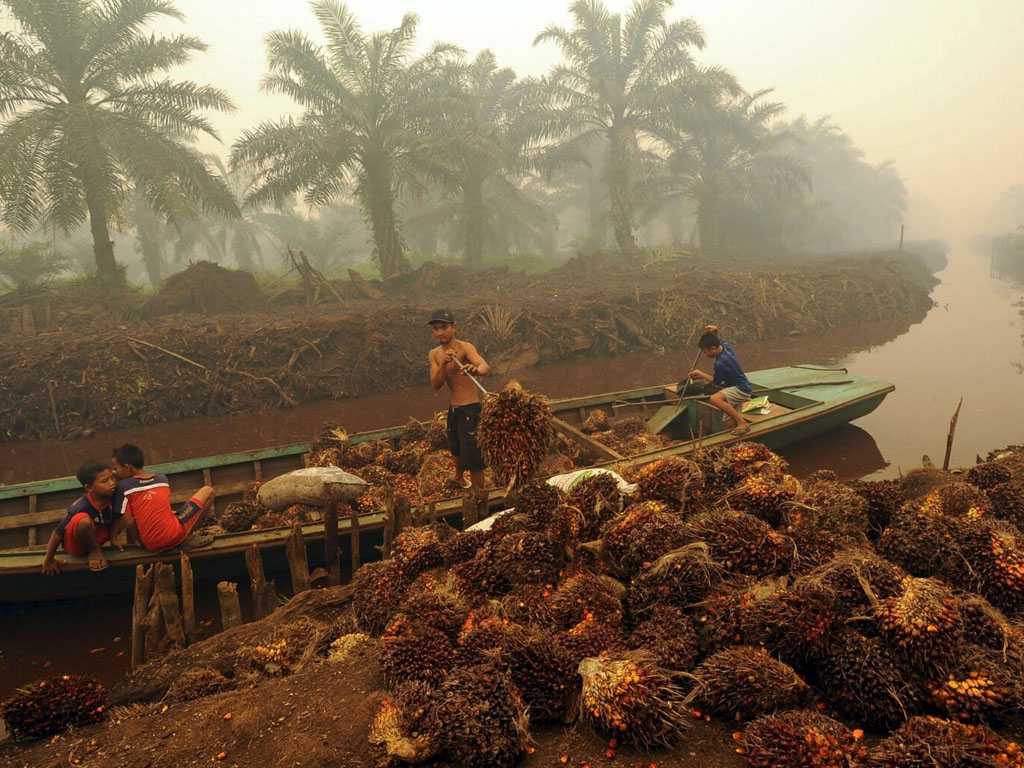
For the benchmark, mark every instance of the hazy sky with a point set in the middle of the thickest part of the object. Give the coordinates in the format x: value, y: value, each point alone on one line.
x: 935, y: 85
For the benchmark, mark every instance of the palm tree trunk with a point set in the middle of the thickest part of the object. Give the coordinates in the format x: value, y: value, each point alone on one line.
x: 619, y: 179
x: 707, y: 226
x: 475, y: 225
x: 379, y: 202
x: 102, y: 245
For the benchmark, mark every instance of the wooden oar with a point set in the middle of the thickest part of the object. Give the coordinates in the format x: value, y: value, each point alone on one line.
x: 472, y: 378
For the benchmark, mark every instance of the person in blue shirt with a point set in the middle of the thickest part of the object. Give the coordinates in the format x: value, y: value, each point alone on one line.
x: 734, y: 389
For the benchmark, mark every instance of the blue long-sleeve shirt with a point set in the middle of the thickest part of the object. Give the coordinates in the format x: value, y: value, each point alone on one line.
x: 728, y: 372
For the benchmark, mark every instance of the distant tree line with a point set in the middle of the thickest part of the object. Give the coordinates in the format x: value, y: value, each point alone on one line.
x: 626, y: 142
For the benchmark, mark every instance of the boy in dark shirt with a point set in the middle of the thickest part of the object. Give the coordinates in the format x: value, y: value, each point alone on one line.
x: 91, y: 521
x: 147, y: 498
x: 735, y: 389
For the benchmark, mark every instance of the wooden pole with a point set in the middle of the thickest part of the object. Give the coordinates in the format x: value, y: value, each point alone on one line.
x: 170, y: 608
x: 952, y: 431
x: 264, y: 597
x: 188, y: 600
x: 901, y: 235
x: 140, y: 607
x: 295, y: 548
x: 230, y: 608
x: 331, y: 561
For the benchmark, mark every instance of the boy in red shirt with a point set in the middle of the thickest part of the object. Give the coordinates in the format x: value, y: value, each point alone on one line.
x: 147, y: 498
x: 91, y: 521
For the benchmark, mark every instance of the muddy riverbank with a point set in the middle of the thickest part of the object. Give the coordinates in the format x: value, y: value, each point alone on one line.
x: 94, y: 372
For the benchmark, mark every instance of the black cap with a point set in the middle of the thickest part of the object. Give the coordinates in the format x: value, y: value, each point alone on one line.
x: 441, y: 316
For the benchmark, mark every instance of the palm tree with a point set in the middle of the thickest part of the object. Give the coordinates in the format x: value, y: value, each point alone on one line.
x: 721, y: 153
x: 86, y: 119
x: 479, y: 157
x: 611, y: 88
x: 365, y: 98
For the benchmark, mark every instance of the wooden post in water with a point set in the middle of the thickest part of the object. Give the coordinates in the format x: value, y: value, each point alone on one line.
x: 295, y: 548
x: 230, y: 608
x: 952, y: 431
x: 331, y: 561
x: 140, y: 607
x: 188, y: 600
x: 170, y: 608
x: 153, y: 624
x: 264, y: 593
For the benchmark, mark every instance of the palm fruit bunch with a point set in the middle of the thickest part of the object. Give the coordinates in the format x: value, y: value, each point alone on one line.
x: 462, y: 546
x: 480, y: 578
x: 924, y: 621
x: 414, y: 432
x: 374, y: 474
x: 958, y: 500
x: 668, y: 634
x: 596, y: 421
x: 530, y: 604
x: 418, y: 549
x: 739, y: 460
x: 673, y: 481
x: 378, y: 590
x: 329, y: 446
x: 629, y: 426
x: 565, y: 448
x: 542, y: 669
x: 569, y: 526
x: 917, y: 483
x: 482, y: 632
x: 437, y: 432
x: 529, y: 558
x: 240, y: 516
x: 814, y: 546
x: 362, y: 453
x: 795, y: 624
x: 919, y: 540
x: 598, y: 498
x: 196, y: 683
x: 586, y: 596
x: 508, y: 521
x: 718, y: 618
x: 536, y: 501
x: 883, y: 497
x: 764, y: 495
x: 994, y: 563
x: 590, y: 638
x: 855, y: 579
x: 931, y: 742
x: 984, y: 624
x: 978, y: 689
x: 744, y: 544
x: 514, y: 434
x: 273, y: 518
x: 988, y: 474
x: 406, y: 461
x: 866, y: 681
x: 680, y: 578
x: 47, y: 707
x: 641, y: 534
x: 746, y: 682
x: 800, y: 739
x: 480, y: 718
x: 402, y: 731
x: 413, y: 650
x: 1007, y: 501
x: 439, y: 609
x: 433, y: 481
x: 840, y: 509
x: 627, y: 695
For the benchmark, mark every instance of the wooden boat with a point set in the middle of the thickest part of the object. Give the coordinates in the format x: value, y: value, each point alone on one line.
x: 805, y: 401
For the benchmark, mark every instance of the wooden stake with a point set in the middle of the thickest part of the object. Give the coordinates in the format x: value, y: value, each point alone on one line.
x: 295, y: 548
x: 53, y: 408
x: 170, y: 608
x: 470, y: 510
x: 264, y: 597
x: 331, y: 561
x: 952, y: 431
x: 143, y: 592
x: 188, y: 600
x: 230, y: 608
x: 153, y: 624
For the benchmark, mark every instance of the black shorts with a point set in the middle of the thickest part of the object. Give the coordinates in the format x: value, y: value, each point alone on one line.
x: 462, y: 421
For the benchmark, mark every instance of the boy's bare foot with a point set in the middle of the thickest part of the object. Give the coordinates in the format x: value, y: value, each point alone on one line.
x: 97, y: 562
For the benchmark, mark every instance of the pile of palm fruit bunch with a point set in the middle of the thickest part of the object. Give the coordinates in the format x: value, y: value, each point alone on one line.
x: 628, y: 436
x: 514, y: 434
x: 242, y: 515
x: 806, y: 615
x: 49, y: 707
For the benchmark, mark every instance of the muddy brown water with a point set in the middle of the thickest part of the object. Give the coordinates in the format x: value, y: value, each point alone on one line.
x: 970, y: 344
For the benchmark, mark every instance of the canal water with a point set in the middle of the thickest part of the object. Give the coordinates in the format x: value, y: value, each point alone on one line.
x: 968, y: 345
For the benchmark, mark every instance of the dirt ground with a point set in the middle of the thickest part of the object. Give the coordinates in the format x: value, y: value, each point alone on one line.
x: 90, y: 366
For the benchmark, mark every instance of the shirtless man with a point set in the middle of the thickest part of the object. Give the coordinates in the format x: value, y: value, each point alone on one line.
x: 464, y: 412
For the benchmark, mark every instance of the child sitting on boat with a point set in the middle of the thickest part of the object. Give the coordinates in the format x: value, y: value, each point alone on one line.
x: 728, y: 374
x: 91, y: 521
x: 147, y: 498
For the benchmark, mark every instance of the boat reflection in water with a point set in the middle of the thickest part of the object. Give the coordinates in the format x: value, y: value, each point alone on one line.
x: 848, y: 450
